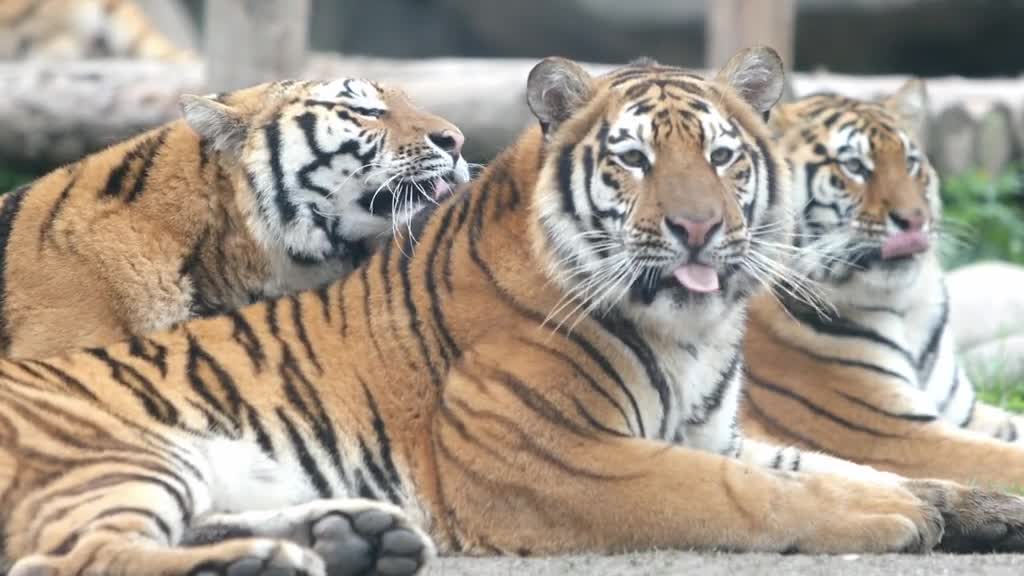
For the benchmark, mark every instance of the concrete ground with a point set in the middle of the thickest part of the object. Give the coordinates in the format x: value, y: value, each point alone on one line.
x: 686, y: 563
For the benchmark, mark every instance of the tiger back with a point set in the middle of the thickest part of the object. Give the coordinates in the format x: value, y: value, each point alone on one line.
x: 256, y: 193
x: 78, y: 29
x: 867, y: 371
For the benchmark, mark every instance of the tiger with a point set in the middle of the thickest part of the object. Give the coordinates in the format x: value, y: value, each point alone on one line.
x: 79, y: 29
x: 547, y: 362
x: 870, y: 372
x: 254, y: 193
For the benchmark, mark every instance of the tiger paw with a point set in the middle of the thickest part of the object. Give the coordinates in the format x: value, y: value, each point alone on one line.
x: 864, y: 517
x: 352, y: 536
x: 372, y: 541
x: 977, y: 520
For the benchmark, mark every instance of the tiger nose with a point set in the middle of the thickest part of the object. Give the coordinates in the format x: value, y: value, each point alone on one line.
x: 909, y: 221
x: 694, y: 233
x: 450, y: 141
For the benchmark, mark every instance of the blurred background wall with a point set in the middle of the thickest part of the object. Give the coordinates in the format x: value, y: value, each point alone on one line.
x: 973, y: 38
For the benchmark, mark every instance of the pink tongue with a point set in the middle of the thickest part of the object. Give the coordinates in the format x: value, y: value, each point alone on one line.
x: 698, y: 277
x: 905, y: 244
x: 441, y: 188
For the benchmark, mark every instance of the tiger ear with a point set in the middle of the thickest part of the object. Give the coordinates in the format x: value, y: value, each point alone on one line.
x: 220, y: 124
x: 555, y: 89
x: 910, y: 103
x: 756, y: 75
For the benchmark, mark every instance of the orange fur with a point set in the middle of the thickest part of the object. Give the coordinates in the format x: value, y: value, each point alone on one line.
x: 429, y: 378
x: 873, y: 379
x: 171, y: 224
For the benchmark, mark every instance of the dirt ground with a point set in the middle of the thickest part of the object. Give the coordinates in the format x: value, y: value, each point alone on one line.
x: 685, y: 563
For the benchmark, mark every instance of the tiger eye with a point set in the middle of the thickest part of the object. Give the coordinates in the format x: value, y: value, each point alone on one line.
x: 634, y: 159
x: 721, y: 156
x: 855, y: 166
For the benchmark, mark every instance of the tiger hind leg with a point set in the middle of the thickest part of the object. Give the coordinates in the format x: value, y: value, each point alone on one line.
x: 136, y: 526
x: 352, y: 536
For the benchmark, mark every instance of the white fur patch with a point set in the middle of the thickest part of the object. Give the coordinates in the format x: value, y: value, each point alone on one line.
x: 244, y: 478
x: 353, y: 91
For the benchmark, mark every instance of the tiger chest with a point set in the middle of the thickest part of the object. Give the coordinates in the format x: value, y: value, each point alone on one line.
x: 695, y: 403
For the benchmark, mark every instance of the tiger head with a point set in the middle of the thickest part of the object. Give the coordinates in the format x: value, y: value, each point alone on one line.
x: 329, y: 163
x: 660, y: 190
x: 867, y: 197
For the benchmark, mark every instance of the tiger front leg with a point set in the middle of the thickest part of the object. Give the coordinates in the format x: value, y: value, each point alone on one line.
x: 537, y: 478
x: 996, y: 423
x: 976, y: 519
x: 352, y: 536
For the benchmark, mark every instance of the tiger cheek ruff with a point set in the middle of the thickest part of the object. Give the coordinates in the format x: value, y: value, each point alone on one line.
x: 547, y: 363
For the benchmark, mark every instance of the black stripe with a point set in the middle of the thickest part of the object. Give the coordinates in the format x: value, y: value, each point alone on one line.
x: 287, y: 210
x: 306, y: 459
x: 198, y: 357
x: 415, y: 324
x: 440, y: 239
x: 378, y: 475
x: 465, y: 201
x: 922, y: 418
x: 141, y: 150
x: 383, y: 442
x: 712, y: 402
x: 535, y: 401
x: 149, y: 351
x: 565, y: 166
x: 324, y: 295
x: 115, y: 478
x: 300, y: 331
x: 627, y: 333
x: 860, y: 364
x: 591, y: 382
x: 243, y: 334
x: 343, y: 309
x: 528, y: 444
x: 844, y: 329
x: 927, y: 357
x: 66, y: 379
x: 155, y: 404
x: 262, y: 438
x: 8, y: 213
x: 593, y: 421
x: 51, y: 219
x: 814, y: 408
x: 953, y: 388
x: 368, y: 316
x: 313, y: 411
x: 150, y: 156
x: 780, y: 429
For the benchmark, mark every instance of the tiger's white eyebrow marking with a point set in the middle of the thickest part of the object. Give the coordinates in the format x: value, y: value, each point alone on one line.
x: 354, y: 92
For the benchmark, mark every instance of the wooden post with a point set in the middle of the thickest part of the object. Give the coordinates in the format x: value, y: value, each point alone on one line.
x: 732, y: 25
x: 171, y: 17
x: 254, y: 41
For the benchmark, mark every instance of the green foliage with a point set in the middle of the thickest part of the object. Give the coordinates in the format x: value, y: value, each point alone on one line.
x: 11, y: 178
x: 983, y: 217
x: 1000, y: 390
